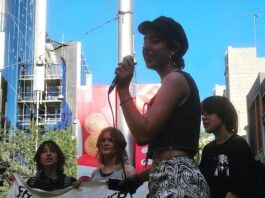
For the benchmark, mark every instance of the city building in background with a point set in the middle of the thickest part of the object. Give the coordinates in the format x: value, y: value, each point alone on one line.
x: 17, y: 22
x: 39, y: 77
x: 48, y: 83
x: 242, y: 67
x: 256, y: 117
x: 219, y: 90
x: 63, y: 67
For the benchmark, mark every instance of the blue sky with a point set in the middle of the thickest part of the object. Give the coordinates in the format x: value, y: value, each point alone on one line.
x: 211, y: 26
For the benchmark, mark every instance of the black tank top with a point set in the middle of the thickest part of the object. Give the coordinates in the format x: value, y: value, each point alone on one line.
x: 182, y: 130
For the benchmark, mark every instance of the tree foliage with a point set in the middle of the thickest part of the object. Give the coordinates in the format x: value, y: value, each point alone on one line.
x: 17, y: 152
x: 205, y: 138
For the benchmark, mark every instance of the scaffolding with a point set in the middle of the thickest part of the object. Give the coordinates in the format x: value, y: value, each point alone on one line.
x: 48, y: 110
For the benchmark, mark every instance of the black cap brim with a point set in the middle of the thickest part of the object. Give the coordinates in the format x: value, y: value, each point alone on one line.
x: 146, y: 26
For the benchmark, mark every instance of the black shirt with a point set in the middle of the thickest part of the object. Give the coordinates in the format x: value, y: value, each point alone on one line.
x: 45, y: 183
x: 228, y: 167
x: 182, y: 129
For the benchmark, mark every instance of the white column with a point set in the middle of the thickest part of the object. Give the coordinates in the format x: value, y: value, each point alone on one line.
x: 125, y: 48
x: 39, y: 47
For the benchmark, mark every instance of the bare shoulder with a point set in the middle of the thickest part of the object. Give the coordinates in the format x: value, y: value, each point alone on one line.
x: 175, y: 77
x: 175, y: 86
x: 129, y: 169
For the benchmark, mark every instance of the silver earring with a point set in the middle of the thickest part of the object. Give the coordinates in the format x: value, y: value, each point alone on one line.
x: 171, y: 60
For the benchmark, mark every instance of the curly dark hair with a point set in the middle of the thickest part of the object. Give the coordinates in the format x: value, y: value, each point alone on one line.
x: 61, y: 158
x: 119, y: 142
x: 224, y: 109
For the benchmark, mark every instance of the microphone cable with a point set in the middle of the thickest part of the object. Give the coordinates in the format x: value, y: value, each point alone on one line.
x: 122, y: 162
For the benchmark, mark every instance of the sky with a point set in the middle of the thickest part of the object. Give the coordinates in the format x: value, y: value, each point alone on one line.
x: 211, y: 26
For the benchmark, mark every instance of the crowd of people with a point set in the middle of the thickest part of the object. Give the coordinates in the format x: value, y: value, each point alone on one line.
x: 170, y: 128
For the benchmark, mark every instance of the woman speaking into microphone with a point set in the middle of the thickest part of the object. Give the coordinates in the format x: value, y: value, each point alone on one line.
x: 171, y: 126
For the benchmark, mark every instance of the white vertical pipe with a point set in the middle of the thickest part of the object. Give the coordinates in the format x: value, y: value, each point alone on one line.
x: 39, y: 47
x: 125, y: 48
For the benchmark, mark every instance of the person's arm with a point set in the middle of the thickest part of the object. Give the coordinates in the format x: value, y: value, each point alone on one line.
x: 173, y: 92
x: 231, y: 195
x: 134, y: 181
x: 129, y: 170
x: 77, y: 183
x: 10, y: 179
x: 144, y: 175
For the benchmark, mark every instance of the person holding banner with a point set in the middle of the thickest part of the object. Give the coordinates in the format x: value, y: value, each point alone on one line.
x: 171, y: 126
x: 112, y: 156
x: 50, y: 175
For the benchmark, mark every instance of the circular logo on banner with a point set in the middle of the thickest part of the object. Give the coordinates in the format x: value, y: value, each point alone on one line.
x: 91, y: 144
x: 95, y: 122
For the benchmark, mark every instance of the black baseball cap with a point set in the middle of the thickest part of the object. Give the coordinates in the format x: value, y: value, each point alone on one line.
x: 168, y: 27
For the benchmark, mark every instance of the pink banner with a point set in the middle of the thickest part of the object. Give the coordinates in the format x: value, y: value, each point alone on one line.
x: 94, y: 114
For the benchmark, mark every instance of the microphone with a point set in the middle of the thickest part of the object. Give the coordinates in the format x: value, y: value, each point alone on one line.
x: 113, y: 84
x: 116, y: 79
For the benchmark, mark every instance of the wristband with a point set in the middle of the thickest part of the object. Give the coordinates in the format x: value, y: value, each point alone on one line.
x: 126, y: 100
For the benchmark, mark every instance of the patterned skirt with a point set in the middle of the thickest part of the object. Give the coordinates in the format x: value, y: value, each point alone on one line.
x: 177, y: 177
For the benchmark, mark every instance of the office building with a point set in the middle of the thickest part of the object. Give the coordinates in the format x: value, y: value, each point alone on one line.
x: 241, y: 69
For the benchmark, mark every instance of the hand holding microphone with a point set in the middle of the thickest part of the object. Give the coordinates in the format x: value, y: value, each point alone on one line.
x: 126, y: 68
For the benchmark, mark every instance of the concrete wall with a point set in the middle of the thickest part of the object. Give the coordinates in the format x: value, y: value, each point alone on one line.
x: 242, y: 68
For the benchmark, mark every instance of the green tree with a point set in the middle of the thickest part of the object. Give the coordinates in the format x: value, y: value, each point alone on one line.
x: 15, y: 156
x: 205, y: 138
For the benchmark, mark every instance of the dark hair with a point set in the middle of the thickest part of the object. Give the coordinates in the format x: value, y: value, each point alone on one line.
x: 119, y: 143
x: 224, y: 109
x: 61, y: 159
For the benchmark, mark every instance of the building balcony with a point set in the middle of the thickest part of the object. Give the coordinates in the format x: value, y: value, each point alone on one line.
x: 43, y: 119
x: 26, y: 75
x: 53, y: 72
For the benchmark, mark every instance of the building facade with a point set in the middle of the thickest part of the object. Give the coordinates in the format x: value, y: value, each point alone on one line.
x: 39, y: 77
x: 219, y: 90
x: 17, y: 51
x: 241, y: 69
x: 256, y: 117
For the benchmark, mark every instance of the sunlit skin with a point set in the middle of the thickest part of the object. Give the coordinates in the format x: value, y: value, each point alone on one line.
x: 174, y: 89
x: 107, y: 147
x: 173, y: 92
x: 155, y: 51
